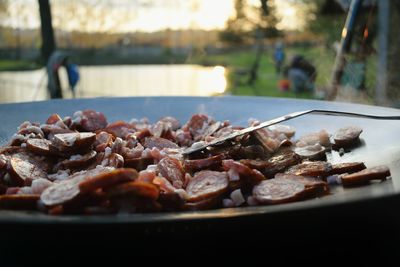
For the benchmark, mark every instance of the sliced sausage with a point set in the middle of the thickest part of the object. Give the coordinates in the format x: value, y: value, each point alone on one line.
x: 67, y: 190
x: 197, y: 125
x: 349, y: 167
x: 159, y: 143
x: 90, y: 120
x: 314, y: 186
x: 199, y: 164
x: 276, y: 191
x: 275, y: 164
x: 79, y: 161
x: 103, y: 140
x: 347, y: 136
x: 364, y: 176
x: 206, y: 184
x: 120, y: 129
x: 172, y: 170
x: 248, y: 175
x: 23, y: 172
x: 107, y: 179
x: 19, y: 202
x: 311, y: 168
x: 265, y: 138
x: 39, y: 146
x: 71, y: 142
x: 311, y: 152
x: 204, y: 204
x: 135, y: 188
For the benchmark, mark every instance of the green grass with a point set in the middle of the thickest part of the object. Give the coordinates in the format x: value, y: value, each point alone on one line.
x: 11, y: 65
x: 238, y: 64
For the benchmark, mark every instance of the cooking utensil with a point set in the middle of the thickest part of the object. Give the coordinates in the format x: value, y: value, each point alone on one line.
x: 221, y: 140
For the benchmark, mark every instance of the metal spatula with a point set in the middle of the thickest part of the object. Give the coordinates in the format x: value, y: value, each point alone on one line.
x: 223, y: 139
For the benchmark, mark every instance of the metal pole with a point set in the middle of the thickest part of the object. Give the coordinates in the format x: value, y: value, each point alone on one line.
x: 383, y: 36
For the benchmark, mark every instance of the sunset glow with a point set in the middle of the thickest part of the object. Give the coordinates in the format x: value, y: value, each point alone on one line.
x: 130, y: 16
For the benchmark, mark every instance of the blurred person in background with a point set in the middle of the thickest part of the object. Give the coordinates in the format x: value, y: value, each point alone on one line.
x: 279, y: 57
x: 301, y: 74
x: 56, y: 61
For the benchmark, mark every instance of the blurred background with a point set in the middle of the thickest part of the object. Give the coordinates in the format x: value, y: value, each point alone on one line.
x: 324, y: 49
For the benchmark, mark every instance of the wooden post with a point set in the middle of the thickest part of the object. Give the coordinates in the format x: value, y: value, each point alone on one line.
x: 48, y: 42
x: 340, y: 61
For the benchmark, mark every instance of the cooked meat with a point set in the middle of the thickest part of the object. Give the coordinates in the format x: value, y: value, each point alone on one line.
x: 347, y: 136
x: 84, y: 165
x: 311, y: 168
x: 276, y: 191
x: 366, y: 175
x: 349, y: 167
x: 206, y: 184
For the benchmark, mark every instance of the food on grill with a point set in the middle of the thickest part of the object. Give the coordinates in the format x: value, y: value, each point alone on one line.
x: 366, y: 175
x: 85, y: 165
x: 347, y: 136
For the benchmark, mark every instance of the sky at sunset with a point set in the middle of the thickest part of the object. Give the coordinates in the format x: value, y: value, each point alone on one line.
x: 141, y: 15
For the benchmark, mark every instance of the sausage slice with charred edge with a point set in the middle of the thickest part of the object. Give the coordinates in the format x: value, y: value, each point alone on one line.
x: 347, y: 136
x: 311, y: 168
x: 67, y: 190
x: 107, y: 179
x: 23, y: 172
x: 314, y: 186
x: 348, y: 167
x: 71, y: 142
x: 364, y: 176
x: 206, y: 184
x: 135, y: 188
x: 172, y: 170
x: 39, y: 146
x: 276, y: 191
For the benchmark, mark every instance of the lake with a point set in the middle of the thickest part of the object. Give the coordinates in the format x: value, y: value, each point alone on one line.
x: 121, y: 80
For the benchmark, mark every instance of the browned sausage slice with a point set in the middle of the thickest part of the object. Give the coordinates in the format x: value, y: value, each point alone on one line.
x: 276, y: 191
x: 67, y: 190
x: 276, y: 164
x: 198, y: 164
x: 204, y: 204
x: 39, y: 146
x: 348, y: 167
x: 92, y: 120
x: 103, y: 140
x: 248, y: 175
x: 311, y: 168
x: 79, y: 161
x: 314, y: 186
x: 364, y: 176
x: 19, y: 202
x: 107, y: 179
x: 135, y: 188
x: 172, y: 170
x: 23, y: 172
x: 311, y: 152
x: 120, y: 129
x: 347, y: 136
x: 68, y: 142
x: 207, y: 184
